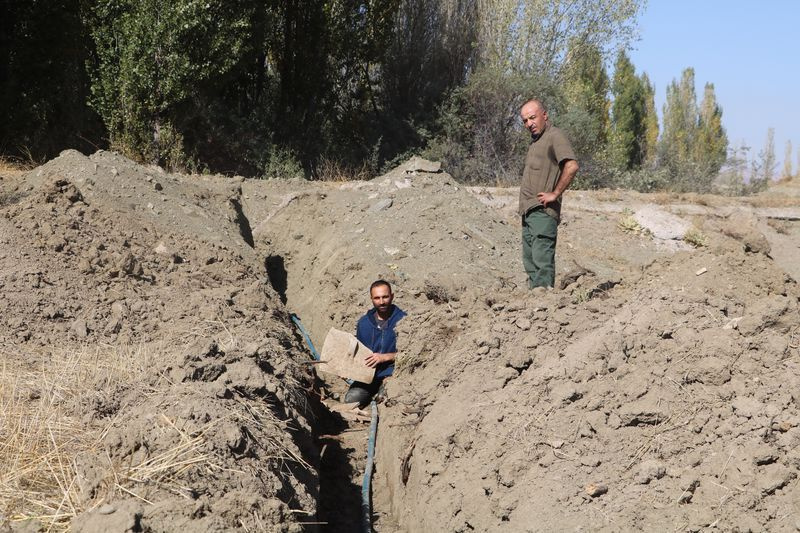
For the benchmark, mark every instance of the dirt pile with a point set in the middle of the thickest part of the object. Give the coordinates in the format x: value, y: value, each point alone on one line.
x: 216, y: 433
x: 655, y: 389
x: 672, y: 390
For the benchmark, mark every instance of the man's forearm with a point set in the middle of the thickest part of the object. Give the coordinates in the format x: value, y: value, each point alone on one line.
x: 567, y: 174
x: 388, y: 357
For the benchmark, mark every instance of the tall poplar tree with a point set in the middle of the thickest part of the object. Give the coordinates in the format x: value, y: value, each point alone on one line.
x: 711, y: 143
x: 586, y: 98
x: 767, y: 157
x: 787, y: 161
x: 763, y: 167
x: 628, y: 116
x: 680, y: 123
x: 651, y: 121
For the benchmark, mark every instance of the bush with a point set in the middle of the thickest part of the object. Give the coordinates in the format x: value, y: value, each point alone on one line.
x: 480, y: 138
x: 279, y: 162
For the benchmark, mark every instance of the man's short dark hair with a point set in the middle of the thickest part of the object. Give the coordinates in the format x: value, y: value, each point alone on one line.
x: 380, y: 283
x: 534, y: 101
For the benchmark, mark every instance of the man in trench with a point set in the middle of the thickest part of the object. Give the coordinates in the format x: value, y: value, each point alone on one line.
x: 550, y: 166
x: 376, y: 331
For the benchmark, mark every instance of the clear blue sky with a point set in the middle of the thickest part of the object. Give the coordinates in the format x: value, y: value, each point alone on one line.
x: 750, y: 51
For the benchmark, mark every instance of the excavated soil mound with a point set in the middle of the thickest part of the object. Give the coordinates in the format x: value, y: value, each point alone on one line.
x: 215, y: 434
x: 654, y: 389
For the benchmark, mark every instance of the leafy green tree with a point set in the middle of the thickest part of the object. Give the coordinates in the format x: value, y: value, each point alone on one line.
x: 534, y: 36
x: 481, y: 139
x: 628, y: 116
x: 359, y: 37
x: 693, y: 145
x: 711, y: 143
x: 271, y: 87
x: 155, y: 57
x: 651, y: 121
x: 680, y: 123
x: 431, y: 51
x: 585, y: 90
x: 524, y: 49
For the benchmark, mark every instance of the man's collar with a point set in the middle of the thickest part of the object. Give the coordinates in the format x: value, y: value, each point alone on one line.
x: 373, y: 313
x: 546, y: 127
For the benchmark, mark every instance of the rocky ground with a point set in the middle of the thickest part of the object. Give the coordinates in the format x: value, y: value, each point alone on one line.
x: 654, y: 389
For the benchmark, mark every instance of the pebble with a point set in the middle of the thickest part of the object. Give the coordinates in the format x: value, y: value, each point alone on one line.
x: 591, y: 460
x: 650, y: 470
x: 524, y: 324
x: 382, y: 205
x: 595, y: 489
x: 80, y: 329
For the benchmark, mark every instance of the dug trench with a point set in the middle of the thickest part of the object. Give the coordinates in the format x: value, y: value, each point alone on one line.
x: 341, y: 445
x: 654, y: 388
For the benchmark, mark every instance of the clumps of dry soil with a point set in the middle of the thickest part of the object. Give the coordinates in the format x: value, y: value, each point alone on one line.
x: 216, y: 434
x: 655, y: 389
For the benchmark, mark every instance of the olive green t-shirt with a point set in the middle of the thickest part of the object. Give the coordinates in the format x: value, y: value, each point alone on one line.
x: 542, y: 169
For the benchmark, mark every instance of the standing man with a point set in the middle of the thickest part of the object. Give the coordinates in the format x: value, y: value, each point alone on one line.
x: 375, y: 330
x: 549, y: 168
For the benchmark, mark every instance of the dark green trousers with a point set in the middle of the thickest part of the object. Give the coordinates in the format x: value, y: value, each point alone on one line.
x: 539, y: 232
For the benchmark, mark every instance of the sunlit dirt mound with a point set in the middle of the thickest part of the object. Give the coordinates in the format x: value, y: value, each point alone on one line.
x: 213, y: 432
x: 654, y: 388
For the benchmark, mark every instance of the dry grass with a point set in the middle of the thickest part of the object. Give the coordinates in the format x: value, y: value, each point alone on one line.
x: 663, y: 198
x: 628, y: 223
x: 12, y: 167
x: 707, y: 200
x: 42, y: 434
x: 695, y: 237
x: 406, y: 361
x: 609, y: 195
x: 437, y: 293
x: 332, y: 170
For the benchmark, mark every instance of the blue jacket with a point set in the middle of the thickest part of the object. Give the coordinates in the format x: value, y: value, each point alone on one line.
x: 379, y: 340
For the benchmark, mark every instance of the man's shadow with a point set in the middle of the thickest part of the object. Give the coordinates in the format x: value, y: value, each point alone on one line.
x: 277, y: 275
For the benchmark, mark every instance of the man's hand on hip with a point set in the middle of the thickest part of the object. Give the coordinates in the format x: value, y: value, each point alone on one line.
x: 546, y: 197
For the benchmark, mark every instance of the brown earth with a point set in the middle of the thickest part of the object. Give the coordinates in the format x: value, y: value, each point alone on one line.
x: 656, y: 389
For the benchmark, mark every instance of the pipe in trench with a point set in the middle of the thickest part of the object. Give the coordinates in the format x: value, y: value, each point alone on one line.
x: 366, y: 508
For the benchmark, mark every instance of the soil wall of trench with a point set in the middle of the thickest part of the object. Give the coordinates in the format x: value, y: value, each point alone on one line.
x: 105, y: 264
x: 654, y: 388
